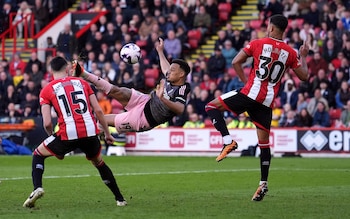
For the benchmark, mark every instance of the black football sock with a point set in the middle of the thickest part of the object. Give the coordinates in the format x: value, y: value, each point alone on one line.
x: 218, y: 121
x: 37, y: 171
x: 109, y: 180
x: 265, y: 160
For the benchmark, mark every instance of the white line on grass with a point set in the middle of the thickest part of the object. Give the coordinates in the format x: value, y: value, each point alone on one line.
x: 137, y: 174
x: 177, y: 172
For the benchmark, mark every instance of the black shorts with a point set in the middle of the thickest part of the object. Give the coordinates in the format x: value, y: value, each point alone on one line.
x: 91, y: 146
x: 238, y: 103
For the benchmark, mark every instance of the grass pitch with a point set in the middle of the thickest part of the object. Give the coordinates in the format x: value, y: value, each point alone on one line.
x: 179, y: 187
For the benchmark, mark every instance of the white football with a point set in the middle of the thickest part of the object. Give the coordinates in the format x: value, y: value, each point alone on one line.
x: 130, y: 53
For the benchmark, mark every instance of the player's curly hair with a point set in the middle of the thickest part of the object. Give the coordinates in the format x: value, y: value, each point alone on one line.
x: 183, y: 65
x: 280, y: 21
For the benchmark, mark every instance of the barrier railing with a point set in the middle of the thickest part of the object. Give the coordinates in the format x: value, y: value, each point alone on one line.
x: 28, y: 31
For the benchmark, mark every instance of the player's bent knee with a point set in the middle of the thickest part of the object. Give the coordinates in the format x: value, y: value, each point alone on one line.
x: 121, y: 94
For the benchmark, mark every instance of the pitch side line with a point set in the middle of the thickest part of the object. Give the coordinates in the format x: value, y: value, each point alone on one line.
x: 173, y: 173
x: 135, y: 174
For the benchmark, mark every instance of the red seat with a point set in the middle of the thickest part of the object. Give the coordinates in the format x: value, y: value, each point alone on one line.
x: 150, y: 82
x: 194, y: 34
x: 151, y: 73
x: 146, y: 61
x: 296, y: 81
x: 151, y: 77
x: 224, y: 11
x: 208, y: 123
x: 335, y: 114
x: 246, y: 71
x: 141, y: 43
x: 232, y: 72
x: 143, y: 53
x: 193, y: 43
x: 194, y: 37
x: 300, y: 22
x: 225, y: 6
x: 223, y: 16
x: 277, y: 103
x: 255, y: 24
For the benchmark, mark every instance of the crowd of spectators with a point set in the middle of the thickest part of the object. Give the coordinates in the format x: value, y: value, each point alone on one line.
x: 43, y: 12
x: 325, y: 25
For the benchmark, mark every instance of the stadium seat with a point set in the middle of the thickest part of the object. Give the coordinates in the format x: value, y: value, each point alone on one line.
x: 223, y: 16
x: 308, y: 58
x: 208, y: 123
x: 151, y: 73
x: 143, y: 53
x: 150, y: 82
x: 224, y: 11
x: 146, y: 61
x: 300, y: 22
x: 255, y: 24
x: 194, y: 37
x: 193, y: 43
x: 141, y: 43
x: 194, y: 34
x: 335, y: 114
x: 246, y: 71
x: 296, y: 81
x: 232, y: 72
x: 151, y: 77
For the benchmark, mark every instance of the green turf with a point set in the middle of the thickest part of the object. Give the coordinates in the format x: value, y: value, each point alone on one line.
x: 179, y: 187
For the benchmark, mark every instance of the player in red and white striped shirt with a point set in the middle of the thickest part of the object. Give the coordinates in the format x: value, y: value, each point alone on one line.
x: 74, y: 102
x: 272, y: 57
x: 70, y: 97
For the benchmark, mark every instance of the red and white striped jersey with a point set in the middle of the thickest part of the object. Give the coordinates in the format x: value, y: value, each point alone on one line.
x: 70, y: 98
x: 272, y: 58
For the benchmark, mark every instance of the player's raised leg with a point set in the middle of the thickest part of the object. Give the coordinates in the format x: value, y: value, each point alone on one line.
x: 214, y: 109
x: 122, y: 94
x: 79, y: 71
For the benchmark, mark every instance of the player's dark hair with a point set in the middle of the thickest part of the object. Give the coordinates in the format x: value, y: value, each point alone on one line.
x: 183, y: 65
x: 58, y: 63
x: 280, y: 21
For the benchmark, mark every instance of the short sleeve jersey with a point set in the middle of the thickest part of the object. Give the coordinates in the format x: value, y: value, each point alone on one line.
x: 70, y: 99
x: 160, y: 112
x: 272, y: 58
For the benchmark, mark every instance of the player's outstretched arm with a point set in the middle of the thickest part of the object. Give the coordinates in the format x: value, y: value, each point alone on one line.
x: 164, y: 63
x: 101, y: 84
x: 302, y: 71
x: 176, y: 107
x: 237, y: 63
